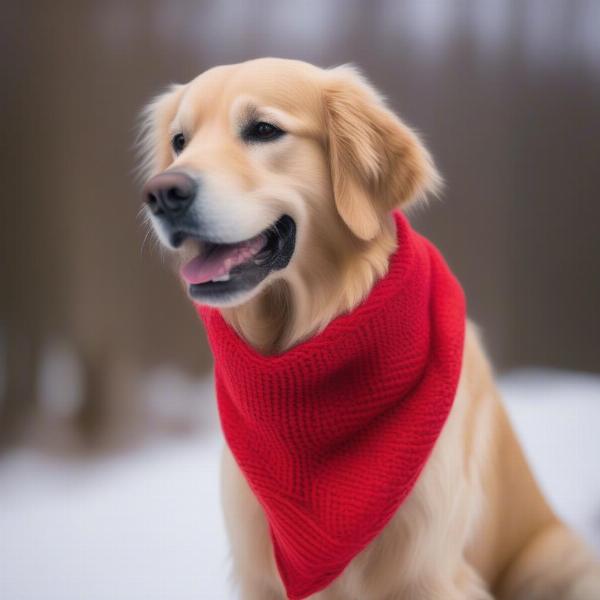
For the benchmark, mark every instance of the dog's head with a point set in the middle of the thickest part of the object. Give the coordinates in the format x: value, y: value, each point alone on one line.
x: 247, y: 163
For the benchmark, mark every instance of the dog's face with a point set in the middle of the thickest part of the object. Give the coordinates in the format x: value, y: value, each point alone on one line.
x: 248, y: 163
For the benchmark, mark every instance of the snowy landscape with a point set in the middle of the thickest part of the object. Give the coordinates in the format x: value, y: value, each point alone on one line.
x: 146, y: 524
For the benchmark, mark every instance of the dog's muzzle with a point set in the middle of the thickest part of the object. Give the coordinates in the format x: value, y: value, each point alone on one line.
x: 220, y: 271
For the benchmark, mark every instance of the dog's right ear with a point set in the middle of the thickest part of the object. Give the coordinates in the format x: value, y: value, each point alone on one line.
x: 153, y: 142
x: 377, y: 163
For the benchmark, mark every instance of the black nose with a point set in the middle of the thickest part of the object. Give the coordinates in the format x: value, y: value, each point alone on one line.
x: 170, y: 193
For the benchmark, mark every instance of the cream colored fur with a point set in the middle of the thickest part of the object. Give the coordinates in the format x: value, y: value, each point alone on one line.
x: 476, y: 525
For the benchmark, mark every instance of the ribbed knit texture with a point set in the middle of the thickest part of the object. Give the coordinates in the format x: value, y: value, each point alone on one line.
x: 333, y: 434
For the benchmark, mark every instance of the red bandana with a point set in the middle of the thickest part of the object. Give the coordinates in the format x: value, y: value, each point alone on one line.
x: 333, y: 434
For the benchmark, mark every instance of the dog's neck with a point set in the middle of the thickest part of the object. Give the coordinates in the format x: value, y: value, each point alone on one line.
x: 326, y: 285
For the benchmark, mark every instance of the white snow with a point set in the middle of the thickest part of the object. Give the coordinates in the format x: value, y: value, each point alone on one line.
x: 146, y: 525
x: 557, y: 418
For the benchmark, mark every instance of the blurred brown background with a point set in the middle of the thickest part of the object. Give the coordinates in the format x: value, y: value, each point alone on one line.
x: 505, y: 92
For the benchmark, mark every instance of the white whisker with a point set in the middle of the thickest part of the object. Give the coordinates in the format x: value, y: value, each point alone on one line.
x: 148, y: 232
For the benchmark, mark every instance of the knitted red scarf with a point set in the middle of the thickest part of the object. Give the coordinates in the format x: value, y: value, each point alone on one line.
x: 333, y: 434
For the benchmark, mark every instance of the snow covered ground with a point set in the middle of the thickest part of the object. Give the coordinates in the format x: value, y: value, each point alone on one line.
x: 146, y: 525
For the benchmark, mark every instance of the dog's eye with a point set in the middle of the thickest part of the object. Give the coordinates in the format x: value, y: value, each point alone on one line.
x: 178, y: 142
x: 261, y: 131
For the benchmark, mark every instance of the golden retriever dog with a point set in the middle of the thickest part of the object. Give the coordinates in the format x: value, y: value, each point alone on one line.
x: 269, y: 143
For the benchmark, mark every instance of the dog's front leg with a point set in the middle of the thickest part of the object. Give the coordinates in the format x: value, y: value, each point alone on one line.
x: 466, y: 585
x: 252, y: 590
x: 254, y: 566
x: 553, y: 564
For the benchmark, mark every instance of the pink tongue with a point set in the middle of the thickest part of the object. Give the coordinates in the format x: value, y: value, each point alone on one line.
x: 220, y: 260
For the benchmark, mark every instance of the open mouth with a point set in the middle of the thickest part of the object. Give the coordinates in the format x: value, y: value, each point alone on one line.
x: 221, y: 271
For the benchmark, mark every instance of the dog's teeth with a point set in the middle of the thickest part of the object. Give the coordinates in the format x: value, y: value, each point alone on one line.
x: 222, y: 278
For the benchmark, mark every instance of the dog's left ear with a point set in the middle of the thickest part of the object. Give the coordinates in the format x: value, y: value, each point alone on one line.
x: 377, y: 163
